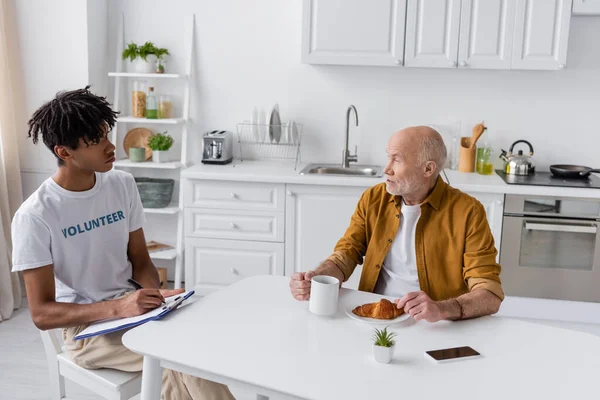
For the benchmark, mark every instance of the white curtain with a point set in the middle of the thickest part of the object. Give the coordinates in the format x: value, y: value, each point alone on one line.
x: 12, y: 124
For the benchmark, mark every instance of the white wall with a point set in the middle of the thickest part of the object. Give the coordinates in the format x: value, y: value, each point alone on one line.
x: 53, y: 40
x: 248, y: 53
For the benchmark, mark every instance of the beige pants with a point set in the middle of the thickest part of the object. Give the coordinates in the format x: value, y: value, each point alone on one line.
x: 108, y: 351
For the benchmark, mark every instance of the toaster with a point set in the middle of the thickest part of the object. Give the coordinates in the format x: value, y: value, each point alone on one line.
x: 217, y: 147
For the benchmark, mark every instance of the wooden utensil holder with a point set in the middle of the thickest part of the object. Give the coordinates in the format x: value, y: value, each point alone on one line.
x: 466, y: 161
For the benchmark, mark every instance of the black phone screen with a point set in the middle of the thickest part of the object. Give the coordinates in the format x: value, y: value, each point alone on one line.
x: 449, y: 354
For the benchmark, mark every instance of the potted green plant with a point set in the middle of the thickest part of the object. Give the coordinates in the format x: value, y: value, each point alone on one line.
x: 383, y: 345
x: 143, y: 57
x: 161, y: 143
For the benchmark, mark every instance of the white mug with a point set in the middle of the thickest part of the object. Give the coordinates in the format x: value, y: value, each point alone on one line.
x: 324, y: 292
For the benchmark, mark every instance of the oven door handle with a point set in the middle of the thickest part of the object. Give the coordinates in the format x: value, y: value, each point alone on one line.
x: 561, y: 228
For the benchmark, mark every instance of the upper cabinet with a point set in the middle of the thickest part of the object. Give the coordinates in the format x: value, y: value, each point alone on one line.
x: 354, y: 32
x: 586, y: 7
x: 541, y: 34
x: 486, y: 34
x: 432, y: 28
x: 479, y: 34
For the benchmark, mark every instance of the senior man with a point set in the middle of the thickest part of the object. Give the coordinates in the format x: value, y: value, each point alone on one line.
x: 423, y: 241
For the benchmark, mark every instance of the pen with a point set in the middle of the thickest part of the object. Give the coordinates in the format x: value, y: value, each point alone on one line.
x: 137, y: 286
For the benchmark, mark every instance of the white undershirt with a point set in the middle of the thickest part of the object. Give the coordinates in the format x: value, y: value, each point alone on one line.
x: 398, y: 274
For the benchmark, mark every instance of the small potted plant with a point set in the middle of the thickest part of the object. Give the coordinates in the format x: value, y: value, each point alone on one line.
x: 383, y: 345
x: 143, y: 57
x: 160, y: 143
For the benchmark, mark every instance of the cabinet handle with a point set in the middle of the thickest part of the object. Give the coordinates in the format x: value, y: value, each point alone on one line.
x: 398, y: 62
x: 233, y: 195
x: 290, y: 193
x: 561, y: 66
x: 462, y: 64
x: 233, y: 226
x: 233, y: 271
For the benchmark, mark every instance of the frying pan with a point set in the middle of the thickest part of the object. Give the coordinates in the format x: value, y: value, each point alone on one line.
x: 571, y: 171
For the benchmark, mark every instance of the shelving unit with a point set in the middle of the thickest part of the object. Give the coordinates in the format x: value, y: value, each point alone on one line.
x: 146, y: 76
x: 176, y: 208
x: 126, y: 163
x: 166, y: 121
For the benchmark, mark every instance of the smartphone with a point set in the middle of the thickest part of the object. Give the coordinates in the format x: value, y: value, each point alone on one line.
x: 453, y: 354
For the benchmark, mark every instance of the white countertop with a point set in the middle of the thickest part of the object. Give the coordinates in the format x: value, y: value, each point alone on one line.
x: 273, y: 172
x: 283, y: 172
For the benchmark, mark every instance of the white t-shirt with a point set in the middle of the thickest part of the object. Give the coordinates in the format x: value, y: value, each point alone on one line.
x: 398, y: 274
x: 83, y: 234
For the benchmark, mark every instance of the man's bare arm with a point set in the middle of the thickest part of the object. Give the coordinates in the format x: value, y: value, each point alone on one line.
x: 328, y: 267
x: 474, y: 304
x: 47, y: 313
x: 144, y: 270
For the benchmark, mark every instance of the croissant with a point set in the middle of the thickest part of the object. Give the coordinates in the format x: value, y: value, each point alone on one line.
x: 383, y: 309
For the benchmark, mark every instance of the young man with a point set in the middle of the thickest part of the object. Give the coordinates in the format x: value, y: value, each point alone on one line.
x: 79, y: 238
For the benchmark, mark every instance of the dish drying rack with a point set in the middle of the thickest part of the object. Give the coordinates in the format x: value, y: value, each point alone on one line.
x: 256, y: 142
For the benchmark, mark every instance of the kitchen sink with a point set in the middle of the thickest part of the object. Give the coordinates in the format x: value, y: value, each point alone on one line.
x: 369, y: 171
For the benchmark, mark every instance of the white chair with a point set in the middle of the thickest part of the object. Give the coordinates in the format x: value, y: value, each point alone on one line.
x: 108, y: 383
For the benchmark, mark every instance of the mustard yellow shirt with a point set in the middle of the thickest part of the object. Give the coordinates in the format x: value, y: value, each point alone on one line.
x: 454, y: 245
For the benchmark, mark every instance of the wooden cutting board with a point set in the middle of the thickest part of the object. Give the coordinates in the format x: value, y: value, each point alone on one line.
x: 138, y: 137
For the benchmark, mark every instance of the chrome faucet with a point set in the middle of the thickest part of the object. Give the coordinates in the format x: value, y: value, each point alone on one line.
x: 347, y: 158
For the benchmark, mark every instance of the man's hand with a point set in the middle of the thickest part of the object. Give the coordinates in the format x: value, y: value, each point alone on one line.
x: 142, y: 301
x: 300, y: 281
x: 419, y: 306
x: 300, y: 285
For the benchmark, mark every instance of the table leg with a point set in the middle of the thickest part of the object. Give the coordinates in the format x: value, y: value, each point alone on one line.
x: 151, y: 379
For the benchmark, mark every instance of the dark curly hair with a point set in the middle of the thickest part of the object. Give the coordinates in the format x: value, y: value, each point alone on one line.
x: 72, y: 115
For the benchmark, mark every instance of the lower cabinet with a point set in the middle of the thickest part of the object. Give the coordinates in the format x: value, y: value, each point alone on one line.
x: 316, y: 217
x: 224, y: 244
x: 494, y: 208
x: 214, y: 263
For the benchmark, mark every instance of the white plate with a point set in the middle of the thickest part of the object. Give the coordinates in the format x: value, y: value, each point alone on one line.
x: 374, y: 321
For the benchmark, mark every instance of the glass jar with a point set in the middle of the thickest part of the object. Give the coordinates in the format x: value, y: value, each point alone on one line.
x: 138, y: 99
x: 165, y: 107
x: 160, y: 66
x: 151, y: 104
x: 484, y: 163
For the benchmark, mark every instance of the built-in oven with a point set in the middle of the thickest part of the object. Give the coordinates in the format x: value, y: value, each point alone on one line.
x: 551, y: 248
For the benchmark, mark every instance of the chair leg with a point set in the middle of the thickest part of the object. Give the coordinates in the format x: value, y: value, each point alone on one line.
x: 57, y: 382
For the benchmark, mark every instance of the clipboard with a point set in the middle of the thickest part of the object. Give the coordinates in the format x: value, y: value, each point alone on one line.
x: 114, y: 325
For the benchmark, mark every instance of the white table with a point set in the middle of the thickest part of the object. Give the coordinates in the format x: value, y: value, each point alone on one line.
x: 254, y: 335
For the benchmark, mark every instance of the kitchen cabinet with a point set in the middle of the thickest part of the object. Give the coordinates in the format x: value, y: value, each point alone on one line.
x: 353, y: 32
x: 486, y: 34
x: 541, y: 34
x: 432, y: 30
x: 494, y: 208
x: 586, y: 7
x: 233, y: 230
x: 212, y: 264
x: 316, y: 218
x: 476, y: 34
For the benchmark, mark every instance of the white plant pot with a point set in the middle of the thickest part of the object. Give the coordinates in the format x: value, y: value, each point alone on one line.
x: 161, y: 156
x: 144, y: 67
x: 383, y: 354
